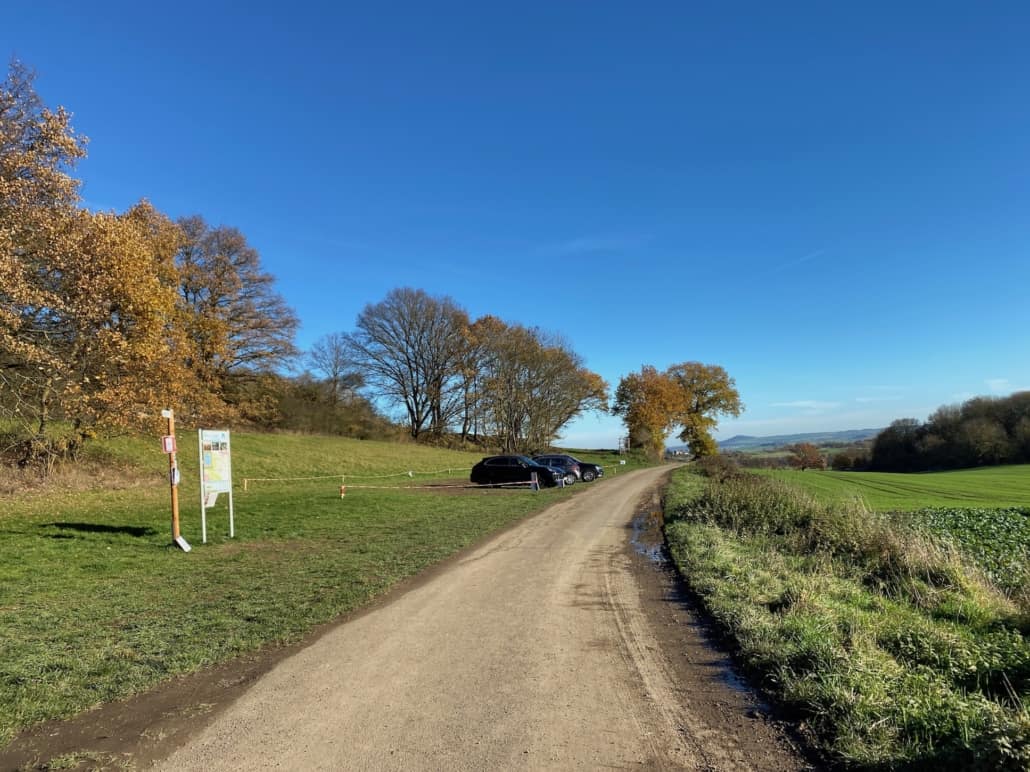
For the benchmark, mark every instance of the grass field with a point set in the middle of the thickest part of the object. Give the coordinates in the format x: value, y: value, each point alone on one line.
x: 895, y: 652
x: 95, y: 605
x: 983, y: 511
x: 987, y: 487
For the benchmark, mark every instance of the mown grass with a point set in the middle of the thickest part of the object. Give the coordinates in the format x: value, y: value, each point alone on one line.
x: 890, y: 647
x: 95, y: 605
x: 987, y: 487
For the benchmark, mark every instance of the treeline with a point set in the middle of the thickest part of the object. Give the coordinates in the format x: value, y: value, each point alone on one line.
x: 982, y: 431
x: 107, y: 317
x: 512, y: 385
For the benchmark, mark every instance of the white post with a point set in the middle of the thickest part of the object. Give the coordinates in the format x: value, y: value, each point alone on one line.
x: 203, y: 507
x: 232, y: 524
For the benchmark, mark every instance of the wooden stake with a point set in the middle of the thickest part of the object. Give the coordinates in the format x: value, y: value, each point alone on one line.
x: 174, y: 484
x: 173, y: 480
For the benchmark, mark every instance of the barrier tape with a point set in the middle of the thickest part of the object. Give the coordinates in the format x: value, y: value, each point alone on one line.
x: 409, y: 473
x: 533, y: 485
x: 430, y: 487
x: 343, y: 477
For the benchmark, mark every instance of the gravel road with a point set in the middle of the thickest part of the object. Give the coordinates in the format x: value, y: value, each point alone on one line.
x: 534, y: 651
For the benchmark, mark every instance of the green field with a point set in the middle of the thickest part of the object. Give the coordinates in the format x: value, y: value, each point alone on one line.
x: 95, y: 605
x: 897, y: 651
x: 984, y: 511
x: 987, y: 487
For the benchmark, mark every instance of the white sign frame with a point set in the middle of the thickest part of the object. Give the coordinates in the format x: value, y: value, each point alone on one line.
x: 218, y: 442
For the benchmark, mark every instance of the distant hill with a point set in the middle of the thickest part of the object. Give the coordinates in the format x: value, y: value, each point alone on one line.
x: 745, y: 442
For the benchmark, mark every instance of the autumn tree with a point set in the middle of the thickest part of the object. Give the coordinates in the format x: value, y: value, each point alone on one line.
x: 95, y: 347
x: 563, y: 389
x: 408, y: 348
x: 708, y: 392
x: 86, y: 299
x: 649, y: 403
x: 475, y: 359
x: 805, y: 455
x: 532, y: 385
x: 690, y: 395
x: 38, y: 225
x: 241, y: 328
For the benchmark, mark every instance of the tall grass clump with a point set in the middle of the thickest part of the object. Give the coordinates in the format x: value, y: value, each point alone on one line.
x: 893, y: 649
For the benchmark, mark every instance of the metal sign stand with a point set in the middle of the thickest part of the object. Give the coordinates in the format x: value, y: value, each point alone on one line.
x: 209, y: 489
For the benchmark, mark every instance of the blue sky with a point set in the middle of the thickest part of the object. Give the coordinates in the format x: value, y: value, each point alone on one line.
x: 830, y: 200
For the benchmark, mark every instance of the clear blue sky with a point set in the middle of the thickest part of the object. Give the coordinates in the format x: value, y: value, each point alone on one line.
x: 830, y: 200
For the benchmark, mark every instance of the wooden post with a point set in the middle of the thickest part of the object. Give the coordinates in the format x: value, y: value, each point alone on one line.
x: 172, y: 470
x: 173, y: 482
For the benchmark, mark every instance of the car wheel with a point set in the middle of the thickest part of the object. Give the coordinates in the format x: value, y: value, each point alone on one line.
x: 588, y: 476
x: 570, y: 479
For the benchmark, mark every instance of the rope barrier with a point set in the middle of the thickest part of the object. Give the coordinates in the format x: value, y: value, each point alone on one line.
x: 343, y: 488
x: 436, y: 487
x: 343, y: 477
x: 409, y: 473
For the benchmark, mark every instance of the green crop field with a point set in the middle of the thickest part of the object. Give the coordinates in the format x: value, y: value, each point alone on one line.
x: 987, y: 487
x: 896, y: 650
x: 95, y: 605
x: 986, y: 511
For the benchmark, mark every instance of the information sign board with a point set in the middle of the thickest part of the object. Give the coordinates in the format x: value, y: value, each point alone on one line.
x: 215, y: 474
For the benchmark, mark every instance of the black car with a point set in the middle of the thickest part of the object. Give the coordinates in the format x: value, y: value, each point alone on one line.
x: 497, y: 470
x: 587, y: 472
x: 566, y: 465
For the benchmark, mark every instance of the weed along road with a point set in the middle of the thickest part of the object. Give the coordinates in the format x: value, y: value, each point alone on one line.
x: 541, y: 648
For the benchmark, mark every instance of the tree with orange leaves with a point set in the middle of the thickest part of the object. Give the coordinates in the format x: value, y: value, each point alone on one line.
x: 87, y: 299
x: 648, y: 402
x: 690, y: 395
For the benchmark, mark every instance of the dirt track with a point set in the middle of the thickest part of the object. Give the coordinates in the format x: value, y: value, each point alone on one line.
x: 563, y: 642
x: 533, y: 651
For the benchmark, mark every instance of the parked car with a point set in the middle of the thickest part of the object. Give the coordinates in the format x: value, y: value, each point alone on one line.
x: 587, y: 472
x: 497, y: 470
x: 567, y: 466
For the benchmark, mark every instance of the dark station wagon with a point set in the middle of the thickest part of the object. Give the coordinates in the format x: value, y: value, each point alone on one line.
x: 586, y: 471
x: 498, y: 470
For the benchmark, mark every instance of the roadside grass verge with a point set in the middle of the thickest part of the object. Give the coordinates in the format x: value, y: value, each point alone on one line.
x: 95, y: 606
x: 890, y: 646
x: 987, y: 487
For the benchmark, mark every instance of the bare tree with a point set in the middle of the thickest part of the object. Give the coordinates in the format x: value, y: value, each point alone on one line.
x: 408, y: 347
x: 239, y: 325
x: 330, y: 357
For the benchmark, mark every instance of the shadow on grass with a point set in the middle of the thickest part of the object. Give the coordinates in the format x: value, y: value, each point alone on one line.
x: 128, y: 530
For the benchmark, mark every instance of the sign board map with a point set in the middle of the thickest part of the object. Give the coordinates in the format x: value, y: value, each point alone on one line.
x: 215, y: 473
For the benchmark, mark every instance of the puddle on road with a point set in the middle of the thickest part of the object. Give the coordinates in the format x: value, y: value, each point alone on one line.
x: 647, y: 538
x: 737, y: 683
